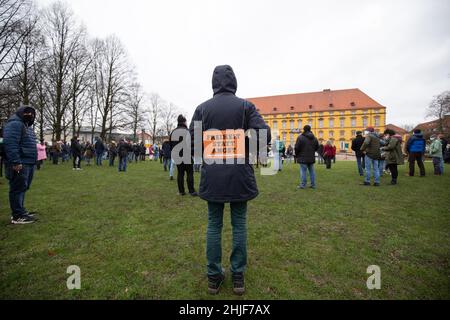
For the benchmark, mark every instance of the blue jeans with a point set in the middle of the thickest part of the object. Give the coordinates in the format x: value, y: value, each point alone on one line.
x: 238, y: 257
x: 361, y: 165
x: 303, y: 174
x: 278, y: 161
x: 19, y: 183
x: 372, y: 164
x: 99, y: 159
x: 442, y: 165
x: 172, y: 165
x: 381, y: 166
x: 166, y: 163
x: 122, y: 164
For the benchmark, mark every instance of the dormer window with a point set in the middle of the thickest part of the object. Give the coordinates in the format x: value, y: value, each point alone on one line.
x: 352, y: 104
x: 292, y: 108
x: 331, y: 105
x: 274, y: 109
x: 310, y: 106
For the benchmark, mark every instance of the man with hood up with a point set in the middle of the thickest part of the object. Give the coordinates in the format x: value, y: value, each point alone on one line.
x: 21, y: 157
x: 305, y: 151
x: 226, y: 182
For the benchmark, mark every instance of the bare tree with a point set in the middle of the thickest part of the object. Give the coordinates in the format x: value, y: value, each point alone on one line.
x: 63, y: 35
x: 169, y: 117
x: 156, y: 107
x: 136, y: 112
x: 12, y: 34
x: 439, y: 108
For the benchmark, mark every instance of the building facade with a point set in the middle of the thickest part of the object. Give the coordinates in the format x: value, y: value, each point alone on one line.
x: 334, y: 115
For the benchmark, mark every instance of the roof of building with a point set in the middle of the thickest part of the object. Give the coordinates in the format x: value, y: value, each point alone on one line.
x: 396, y: 129
x: 433, y: 125
x: 326, y: 100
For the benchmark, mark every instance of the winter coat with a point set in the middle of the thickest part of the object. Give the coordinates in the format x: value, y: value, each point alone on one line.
x: 371, y: 146
x: 19, y: 140
x: 436, y: 149
x: 357, y: 144
x: 41, y: 152
x: 89, y: 152
x: 329, y: 152
x: 75, y: 147
x: 306, y: 147
x: 393, y: 151
x: 166, y: 149
x: 228, y: 182
x: 99, y: 147
x: 416, y: 144
x: 123, y: 149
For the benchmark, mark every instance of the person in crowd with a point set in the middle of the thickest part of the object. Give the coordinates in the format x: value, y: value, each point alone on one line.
x: 305, y: 152
x: 444, y: 143
x: 393, y: 153
x: 65, y: 151
x: 89, y: 153
x: 279, y: 153
x: 112, y: 153
x: 447, y: 154
x: 99, y: 150
x: 143, y: 151
x: 183, y: 167
x: 334, y: 153
x: 416, y: 149
x: 371, y: 147
x: 19, y: 142
x: 55, y: 151
x: 155, y: 152
x: 77, y: 151
x: 227, y: 183
x: 320, y: 154
x: 357, y: 143
x: 123, y: 150
x: 436, y: 154
x: 329, y: 152
x: 150, y: 153
x: 165, y: 151
x: 136, y: 151
x: 42, y: 154
x: 382, y: 161
x: 289, y: 154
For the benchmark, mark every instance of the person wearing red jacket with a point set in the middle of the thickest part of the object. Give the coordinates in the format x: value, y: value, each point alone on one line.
x: 329, y: 152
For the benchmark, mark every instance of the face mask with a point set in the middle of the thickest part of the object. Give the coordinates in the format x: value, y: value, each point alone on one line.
x: 28, y: 118
x: 366, y: 133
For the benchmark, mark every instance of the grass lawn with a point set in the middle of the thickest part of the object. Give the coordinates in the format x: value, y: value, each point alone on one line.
x: 134, y: 238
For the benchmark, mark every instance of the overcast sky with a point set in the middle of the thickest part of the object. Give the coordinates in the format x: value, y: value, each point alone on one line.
x: 398, y: 52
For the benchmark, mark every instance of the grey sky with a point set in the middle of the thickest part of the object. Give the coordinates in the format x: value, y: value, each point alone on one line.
x: 398, y: 52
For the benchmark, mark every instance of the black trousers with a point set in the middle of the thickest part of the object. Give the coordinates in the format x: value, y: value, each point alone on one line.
x: 413, y: 158
x: 328, y: 161
x: 189, y: 170
x: 393, y: 168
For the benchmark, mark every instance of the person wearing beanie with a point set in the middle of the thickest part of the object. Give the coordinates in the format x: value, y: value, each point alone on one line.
x: 183, y: 166
x: 371, y: 147
x: 305, y: 152
x: 416, y: 149
x: 393, y: 153
x: 356, y: 147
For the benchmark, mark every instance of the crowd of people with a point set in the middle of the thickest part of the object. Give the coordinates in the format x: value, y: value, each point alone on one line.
x: 376, y: 154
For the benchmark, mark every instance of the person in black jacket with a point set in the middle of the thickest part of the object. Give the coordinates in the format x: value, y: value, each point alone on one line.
x: 183, y: 167
x: 76, y: 150
x: 123, y: 149
x: 305, y: 151
x: 227, y: 181
x: 356, y: 146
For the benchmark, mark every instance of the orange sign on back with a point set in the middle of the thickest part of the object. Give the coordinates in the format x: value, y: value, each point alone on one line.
x: 224, y: 144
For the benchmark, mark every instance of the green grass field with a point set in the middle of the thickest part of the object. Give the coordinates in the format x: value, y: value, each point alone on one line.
x: 134, y: 238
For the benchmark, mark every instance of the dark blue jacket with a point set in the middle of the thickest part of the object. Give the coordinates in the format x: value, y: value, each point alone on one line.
x: 416, y: 143
x: 227, y: 182
x: 166, y: 149
x: 99, y: 147
x: 19, y: 140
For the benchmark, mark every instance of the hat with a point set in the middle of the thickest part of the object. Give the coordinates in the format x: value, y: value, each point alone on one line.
x: 181, y: 119
x: 370, y: 129
x: 358, y: 133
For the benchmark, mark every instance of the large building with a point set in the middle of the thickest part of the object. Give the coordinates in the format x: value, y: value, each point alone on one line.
x: 334, y: 115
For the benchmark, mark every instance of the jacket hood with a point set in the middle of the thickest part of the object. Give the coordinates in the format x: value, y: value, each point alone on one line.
x: 224, y: 80
x: 309, y: 135
x: 418, y: 135
x: 21, y: 111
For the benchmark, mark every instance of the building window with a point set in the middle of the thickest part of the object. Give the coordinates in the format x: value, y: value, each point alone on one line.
x: 320, y: 123
x: 353, y: 112
x: 342, y: 113
x: 292, y: 108
x: 310, y: 122
x: 342, y: 122
x: 284, y: 136
x: 310, y: 114
x: 331, y: 113
x: 300, y: 124
x: 331, y: 134
x: 292, y: 138
x: 284, y: 124
x: 321, y: 134
x: 342, y: 133
x: 377, y: 121
x: 331, y: 123
x: 320, y: 114
x: 365, y: 122
x: 353, y: 133
x: 275, y: 125
x: 274, y: 109
x: 353, y: 122
x: 299, y: 115
x: 292, y: 124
